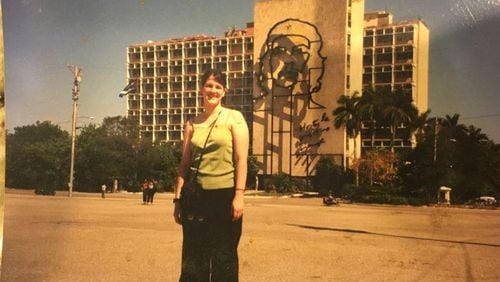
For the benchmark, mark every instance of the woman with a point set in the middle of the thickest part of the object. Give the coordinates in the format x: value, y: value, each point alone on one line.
x: 210, y: 243
x: 152, y: 191
x: 145, y: 192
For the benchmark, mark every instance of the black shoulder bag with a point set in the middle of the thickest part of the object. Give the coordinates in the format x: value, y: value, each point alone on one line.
x: 191, y: 193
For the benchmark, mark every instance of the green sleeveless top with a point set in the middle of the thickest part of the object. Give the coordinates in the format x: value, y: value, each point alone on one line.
x: 217, y: 164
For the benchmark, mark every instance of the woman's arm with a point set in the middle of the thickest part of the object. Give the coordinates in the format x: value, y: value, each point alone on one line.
x: 239, y: 131
x: 183, y: 168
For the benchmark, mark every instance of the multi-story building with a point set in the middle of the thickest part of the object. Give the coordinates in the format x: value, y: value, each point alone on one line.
x: 307, y: 56
x: 395, y: 55
x: 167, y: 75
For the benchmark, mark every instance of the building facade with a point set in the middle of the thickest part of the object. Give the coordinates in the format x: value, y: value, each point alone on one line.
x: 167, y: 75
x: 395, y: 55
x: 308, y: 54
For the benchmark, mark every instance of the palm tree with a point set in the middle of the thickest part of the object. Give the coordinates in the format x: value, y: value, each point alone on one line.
x: 452, y: 128
x: 419, y: 124
x: 399, y: 111
x: 348, y: 115
x: 474, y: 135
x: 369, y: 105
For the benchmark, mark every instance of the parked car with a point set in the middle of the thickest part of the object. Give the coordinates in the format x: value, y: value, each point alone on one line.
x: 486, y: 201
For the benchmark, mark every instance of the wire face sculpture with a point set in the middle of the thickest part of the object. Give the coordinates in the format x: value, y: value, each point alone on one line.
x: 291, y: 60
x: 289, y: 73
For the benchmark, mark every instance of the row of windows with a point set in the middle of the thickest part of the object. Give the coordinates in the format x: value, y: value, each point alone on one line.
x: 164, y: 122
x: 387, y: 143
x: 387, y: 57
x: 395, y: 49
x: 381, y: 40
x: 192, y: 61
x: 396, y: 68
x: 207, y: 51
x: 389, y: 30
x: 191, y: 44
x: 187, y: 85
x: 388, y: 77
x: 177, y: 70
x: 165, y: 103
x: 174, y: 122
x: 233, y: 97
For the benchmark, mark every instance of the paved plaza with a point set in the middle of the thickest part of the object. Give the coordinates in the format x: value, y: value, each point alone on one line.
x: 86, y: 238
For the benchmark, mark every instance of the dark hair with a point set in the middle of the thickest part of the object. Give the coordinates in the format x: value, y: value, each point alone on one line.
x: 217, y: 75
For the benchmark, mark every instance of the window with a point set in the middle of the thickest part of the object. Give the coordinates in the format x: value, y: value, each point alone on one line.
x: 221, y: 50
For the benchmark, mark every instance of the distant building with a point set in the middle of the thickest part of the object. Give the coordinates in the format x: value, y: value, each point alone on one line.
x: 168, y: 79
x: 395, y: 55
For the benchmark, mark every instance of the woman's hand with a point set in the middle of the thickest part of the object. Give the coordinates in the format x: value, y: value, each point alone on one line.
x: 177, y: 213
x: 238, y: 205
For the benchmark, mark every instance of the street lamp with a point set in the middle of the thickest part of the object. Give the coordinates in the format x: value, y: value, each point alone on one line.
x: 437, y: 129
x: 73, y: 143
x: 77, y: 74
x: 91, y: 118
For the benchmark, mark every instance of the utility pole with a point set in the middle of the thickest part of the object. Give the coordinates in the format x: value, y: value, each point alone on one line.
x: 76, y: 91
x: 437, y: 128
x: 435, y: 139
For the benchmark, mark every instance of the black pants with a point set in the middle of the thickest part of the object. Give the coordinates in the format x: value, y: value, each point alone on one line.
x: 210, y: 243
x: 151, y: 195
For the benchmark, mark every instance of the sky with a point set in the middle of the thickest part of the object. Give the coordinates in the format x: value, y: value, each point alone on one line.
x: 43, y: 37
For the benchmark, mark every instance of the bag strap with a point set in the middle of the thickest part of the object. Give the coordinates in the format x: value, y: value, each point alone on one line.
x: 205, y: 145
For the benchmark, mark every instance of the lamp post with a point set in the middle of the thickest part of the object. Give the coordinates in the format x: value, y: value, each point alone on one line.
x: 75, y: 93
x: 437, y: 129
x: 435, y: 139
x: 73, y: 151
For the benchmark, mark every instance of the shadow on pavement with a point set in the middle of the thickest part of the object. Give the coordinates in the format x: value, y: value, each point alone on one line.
x: 390, y: 235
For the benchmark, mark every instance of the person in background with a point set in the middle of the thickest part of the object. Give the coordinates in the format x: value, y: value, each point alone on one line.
x: 145, y: 192
x: 151, y: 191
x: 103, y: 190
x: 210, y: 243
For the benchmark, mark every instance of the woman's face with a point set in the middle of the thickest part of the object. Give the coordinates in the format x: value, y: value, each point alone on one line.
x: 212, y: 92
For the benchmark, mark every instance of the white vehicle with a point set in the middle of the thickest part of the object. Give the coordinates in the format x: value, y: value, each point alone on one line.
x: 487, y: 200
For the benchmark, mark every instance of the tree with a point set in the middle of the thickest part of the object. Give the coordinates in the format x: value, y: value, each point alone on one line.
x: 329, y: 177
x: 121, y: 126
x: 454, y: 155
x: 114, y: 151
x: 370, y: 109
x: 158, y: 162
x: 476, y: 153
x: 37, y: 155
x: 348, y: 115
x: 101, y: 158
x: 398, y: 111
x: 419, y: 124
x: 253, y: 169
x: 377, y: 167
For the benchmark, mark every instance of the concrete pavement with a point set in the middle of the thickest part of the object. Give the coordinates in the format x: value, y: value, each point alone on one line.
x: 86, y: 238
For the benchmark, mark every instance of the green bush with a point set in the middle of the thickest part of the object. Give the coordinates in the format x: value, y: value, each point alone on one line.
x: 330, y: 177
x: 282, y: 183
x: 397, y: 200
x: 382, y: 199
x: 417, y: 201
x: 376, y: 199
x: 45, y: 191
